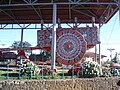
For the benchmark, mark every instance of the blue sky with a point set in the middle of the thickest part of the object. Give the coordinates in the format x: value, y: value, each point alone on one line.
x: 7, y: 37
x: 110, y: 34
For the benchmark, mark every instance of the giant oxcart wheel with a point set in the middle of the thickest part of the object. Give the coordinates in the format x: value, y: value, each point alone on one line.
x: 71, y: 47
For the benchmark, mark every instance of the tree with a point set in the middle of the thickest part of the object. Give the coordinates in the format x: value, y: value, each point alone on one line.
x: 17, y: 44
x: 115, y: 59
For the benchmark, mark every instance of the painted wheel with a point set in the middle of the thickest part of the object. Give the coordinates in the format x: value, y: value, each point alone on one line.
x: 47, y: 37
x: 71, y: 47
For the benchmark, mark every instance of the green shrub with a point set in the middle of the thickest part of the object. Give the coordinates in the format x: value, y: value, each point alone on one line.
x: 90, y: 69
x: 29, y: 69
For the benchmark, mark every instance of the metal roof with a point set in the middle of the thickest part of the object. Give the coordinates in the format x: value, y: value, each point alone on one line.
x: 33, y: 11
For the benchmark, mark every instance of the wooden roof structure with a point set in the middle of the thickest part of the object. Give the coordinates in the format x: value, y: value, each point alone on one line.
x: 33, y: 11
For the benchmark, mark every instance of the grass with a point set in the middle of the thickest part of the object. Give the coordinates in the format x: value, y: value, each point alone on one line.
x: 15, y: 75
x: 7, y: 74
x: 3, y: 72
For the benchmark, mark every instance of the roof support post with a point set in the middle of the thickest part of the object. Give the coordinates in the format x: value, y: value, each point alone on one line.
x: 54, y: 36
x: 21, y: 43
x: 76, y: 21
x: 93, y: 20
x: 119, y: 11
x: 21, y: 37
x: 41, y: 24
x: 59, y: 23
x: 99, y: 45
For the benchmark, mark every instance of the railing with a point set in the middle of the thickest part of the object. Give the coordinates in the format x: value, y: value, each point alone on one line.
x: 44, y: 72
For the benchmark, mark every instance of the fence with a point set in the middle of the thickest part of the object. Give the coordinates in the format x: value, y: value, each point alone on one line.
x: 33, y: 72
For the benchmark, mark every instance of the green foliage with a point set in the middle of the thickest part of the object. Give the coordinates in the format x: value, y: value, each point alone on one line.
x: 106, y: 71
x: 90, y: 69
x: 115, y: 59
x: 44, y: 56
x: 17, y: 44
x: 47, y: 54
x: 30, y: 69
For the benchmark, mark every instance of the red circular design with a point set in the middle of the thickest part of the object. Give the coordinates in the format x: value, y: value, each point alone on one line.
x: 71, y: 47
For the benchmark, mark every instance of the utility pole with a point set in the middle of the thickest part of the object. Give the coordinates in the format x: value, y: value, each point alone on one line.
x: 111, y: 49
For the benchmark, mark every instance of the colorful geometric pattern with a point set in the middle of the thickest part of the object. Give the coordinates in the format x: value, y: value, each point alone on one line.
x: 40, y: 38
x: 89, y: 33
x: 71, y: 47
x: 44, y: 38
x: 71, y: 42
